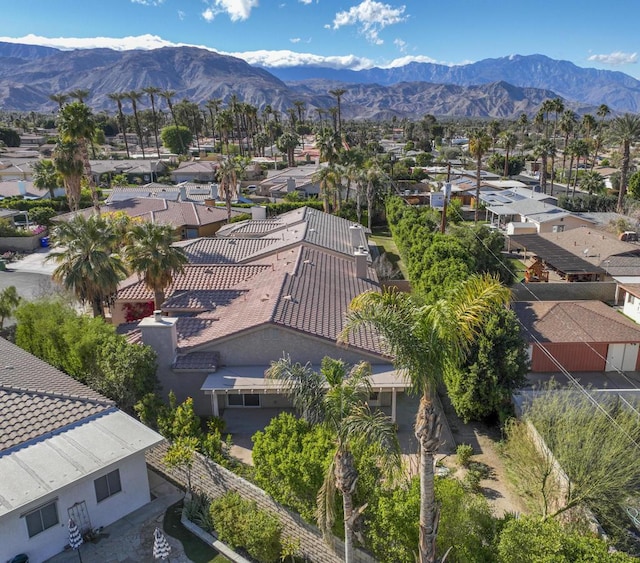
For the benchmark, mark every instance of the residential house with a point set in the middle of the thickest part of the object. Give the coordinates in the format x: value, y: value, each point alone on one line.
x: 578, y: 336
x: 135, y: 170
x: 190, y: 220
x: 266, y: 289
x: 630, y: 295
x: 65, y: 452
x: 203, y: 171
x: 281, y: 182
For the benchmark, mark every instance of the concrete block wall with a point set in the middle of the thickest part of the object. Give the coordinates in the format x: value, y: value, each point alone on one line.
x: 215, y: 481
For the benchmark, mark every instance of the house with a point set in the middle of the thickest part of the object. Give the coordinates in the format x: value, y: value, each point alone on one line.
x: 140, y: 170
x: 629, y: 293
x: 190, y: 220
x: 204, y: 171
x: 65, y: 452
x: 25, y: 189
x: 301, y: 179
x: 264, y: 289
x: 578, y: 336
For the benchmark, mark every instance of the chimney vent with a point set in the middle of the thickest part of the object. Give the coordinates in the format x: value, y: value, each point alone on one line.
x: 356, y: 236
x: 157, y: 316
x: 361, y: 263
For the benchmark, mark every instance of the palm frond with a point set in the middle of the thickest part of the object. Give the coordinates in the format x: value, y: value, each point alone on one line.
x: 326, y: 500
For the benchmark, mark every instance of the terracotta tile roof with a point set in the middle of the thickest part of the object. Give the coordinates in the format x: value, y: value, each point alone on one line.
x: 214, y: 250
x: 198, y: 361
x: 575, y: 321
x: 195, y: 278
x: 37, y: 399
x: 200, y: 300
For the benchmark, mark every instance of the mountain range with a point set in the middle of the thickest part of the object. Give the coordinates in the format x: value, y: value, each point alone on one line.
x: 499, y: 88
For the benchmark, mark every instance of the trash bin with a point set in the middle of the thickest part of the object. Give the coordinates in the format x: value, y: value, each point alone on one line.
x: 3, y: 265
x: 21, y: 558
x: 44, y: 242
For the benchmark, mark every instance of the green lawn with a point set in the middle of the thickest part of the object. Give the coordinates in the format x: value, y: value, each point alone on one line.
x: 195, y: 549
x: 382, y: 238
x: 518, y: 268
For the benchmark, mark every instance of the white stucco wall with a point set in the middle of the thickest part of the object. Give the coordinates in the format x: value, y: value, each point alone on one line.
x: 14, y: 538
x: 632, y: 307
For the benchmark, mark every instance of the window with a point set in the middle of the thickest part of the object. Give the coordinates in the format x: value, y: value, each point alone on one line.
x: 42, y: 519
x: 243, y: 400
x: 107, y: 485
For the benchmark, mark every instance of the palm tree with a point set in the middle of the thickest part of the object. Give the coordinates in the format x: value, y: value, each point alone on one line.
x: 593, y: 183
x: 213, y: 106
x: 542, y: 150
x: 338, y: 93
x: 69, y: 166
x: 229, y: 173
x: 300, y: 106
x: 479, y: 143
x: 523, y: 121
x: 567, y: 125
x: 603, y: 111
x: 84, y: 249
x: 328, y: 179
x: 625, y: 130
x: 79, y: 94
x: 60, y: 99
x: 152, y: 92
x: 509, y: 141
x: 578, y: 148
x: 45, y: 176
x: 287, y: 143
x: 336, y: 397
x: 424, y: 341
x: 76, y: 128
x: 118, y: 97
x: 557, y: 106
x: 134, y: 97
x: 151, y: 255
x: 224, y: 123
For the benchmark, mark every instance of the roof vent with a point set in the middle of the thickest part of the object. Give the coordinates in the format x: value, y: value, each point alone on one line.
x: 157, y: 315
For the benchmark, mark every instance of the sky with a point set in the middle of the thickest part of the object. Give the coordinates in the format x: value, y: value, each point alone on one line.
x: 352, y: 34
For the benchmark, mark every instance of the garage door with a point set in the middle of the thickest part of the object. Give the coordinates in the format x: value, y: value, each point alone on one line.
x: 622, y: 357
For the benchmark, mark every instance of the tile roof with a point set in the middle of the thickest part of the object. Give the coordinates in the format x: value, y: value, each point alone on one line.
x: 214, y: 250
x: 194, y: 278
x: 37, y: 399
x: 198, y: 361
x: 575, y: 321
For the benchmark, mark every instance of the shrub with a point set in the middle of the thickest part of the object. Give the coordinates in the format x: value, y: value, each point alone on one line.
x: 198, y: 510
x: 464, y: 453
x: 240, y: 523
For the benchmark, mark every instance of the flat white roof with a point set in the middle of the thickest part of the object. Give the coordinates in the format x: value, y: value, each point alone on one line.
x: 49, y: 464
x: 251, y: 378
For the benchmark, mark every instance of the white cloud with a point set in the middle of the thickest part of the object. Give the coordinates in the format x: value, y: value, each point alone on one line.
x: 307, y: 2
x: 295, y: 40
x: 117, y: 43
x: 371, y: 17
x: 148, y: 2
x: 615, y: 59
x: 181, y: 15
x: 400, y: 44
x: 284, y: 58
x: 237, y: 10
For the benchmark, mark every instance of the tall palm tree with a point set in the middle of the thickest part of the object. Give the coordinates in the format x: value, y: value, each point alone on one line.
x: 592, y: 183
x: 300, y: 106
x: 287, y: 143
x: 151, y: 255
x: 76, y: 127
x: 152, y: 92
x: 231, y: 171
x: 579, y: 149
x: 338, y: 93
x: 523, y: 121
x: 328, y: 178
x: 79, y: 94
x: 45, y: 176
x: 224, y: 123
x: 603, y: 111
x: 117, y: 97
x: 625, y: 130
x: 69, y: 166
x: 60, y: 99
x: 509, y: 142
x: 424, y: 341
x: 558, y: 107
x: 542, y: 150
x: 336, y: 397
x: 88, y: 266
x: 213, y: 106
x: 134, y: 97
x: 568, y: 123
x: 479, y: 143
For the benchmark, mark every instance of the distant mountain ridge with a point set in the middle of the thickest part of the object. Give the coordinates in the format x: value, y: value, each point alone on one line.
x: 502, y: 88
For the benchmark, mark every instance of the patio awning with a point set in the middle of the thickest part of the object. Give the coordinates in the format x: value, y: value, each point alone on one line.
x: 243, y: 379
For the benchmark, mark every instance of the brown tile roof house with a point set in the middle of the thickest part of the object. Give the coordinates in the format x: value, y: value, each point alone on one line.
x: 286, y: 293
x: 191, y: 220
x: 580, y: 335
x: 58, y: 437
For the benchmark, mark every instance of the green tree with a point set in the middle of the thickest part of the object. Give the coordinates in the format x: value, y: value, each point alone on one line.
x: 529, y: 540
x: 542, y: 150
x: 181, y: 455
x: 229, y: 174
x: 176, y: 138
x: 152, y: 92
x: 134, y: 97
x: 496, y: 365
x: 336, y: 397
x: 151, y: 254
x: 424, y: 341
x: 286, y: 144
x: 117, y: 97
x: 634, y: 185
x: 9, y: 301
x: 593, y: 183
x: 291, y: 458
x: 624, y: 130
x: 45, y: 176
x: 10, y: 137
x: 88, y: 266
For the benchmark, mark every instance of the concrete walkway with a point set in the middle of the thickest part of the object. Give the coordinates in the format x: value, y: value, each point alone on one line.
x: 34, y: 263
x: 130, y: 539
